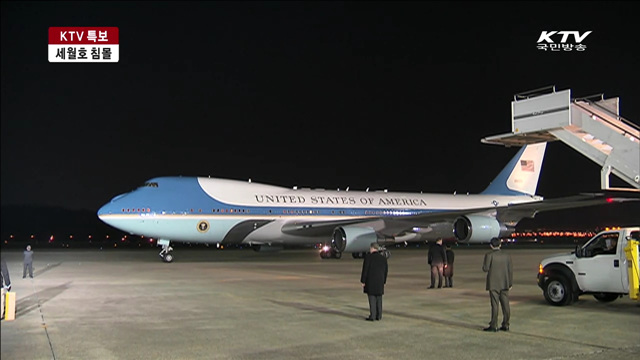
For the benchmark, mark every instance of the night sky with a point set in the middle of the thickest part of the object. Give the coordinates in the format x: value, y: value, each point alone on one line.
x: 327, y: 94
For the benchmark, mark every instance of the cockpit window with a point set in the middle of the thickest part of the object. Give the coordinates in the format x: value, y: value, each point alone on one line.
x: 149, y: 184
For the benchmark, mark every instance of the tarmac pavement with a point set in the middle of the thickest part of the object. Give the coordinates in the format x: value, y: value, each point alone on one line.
x: 241, y: 304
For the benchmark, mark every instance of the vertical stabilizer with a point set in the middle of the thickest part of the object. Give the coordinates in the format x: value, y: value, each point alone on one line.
x: 520, y: 176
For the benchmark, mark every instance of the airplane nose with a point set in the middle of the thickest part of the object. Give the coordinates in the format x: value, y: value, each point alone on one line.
x: 104, y: 210
x: 109, y: 208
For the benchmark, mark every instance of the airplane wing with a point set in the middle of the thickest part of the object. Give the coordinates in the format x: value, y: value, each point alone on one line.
x: 509, y: 215
x: 515, y: 213
x: 319, y: 228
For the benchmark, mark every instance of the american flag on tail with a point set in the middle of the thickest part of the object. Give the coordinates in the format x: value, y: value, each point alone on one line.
x: 526, y: 165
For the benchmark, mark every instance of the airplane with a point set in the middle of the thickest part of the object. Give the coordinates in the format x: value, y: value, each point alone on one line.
x: 232, y: 212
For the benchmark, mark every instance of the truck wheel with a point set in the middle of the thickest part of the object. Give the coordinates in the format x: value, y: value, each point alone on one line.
x: 557, y: 291
x: 605, y: 297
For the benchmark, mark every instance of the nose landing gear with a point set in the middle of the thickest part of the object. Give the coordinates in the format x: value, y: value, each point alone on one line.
x: 166, y: 252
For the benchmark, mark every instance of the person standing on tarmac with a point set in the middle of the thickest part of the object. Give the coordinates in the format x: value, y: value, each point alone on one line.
x: 6, y: 281
x: 499, y: 268
x: 448, y: 269
x: 373, y: 279
x: 28, y: 262
x: 437, y: 259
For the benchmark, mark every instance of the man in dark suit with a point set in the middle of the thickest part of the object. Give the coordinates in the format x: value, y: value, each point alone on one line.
x: 499, y: 269
x: 437, y: 259
x: 373, y: 279
x: 448, y: 269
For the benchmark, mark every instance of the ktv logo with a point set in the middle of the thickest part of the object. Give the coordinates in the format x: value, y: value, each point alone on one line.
x: 546, y: 40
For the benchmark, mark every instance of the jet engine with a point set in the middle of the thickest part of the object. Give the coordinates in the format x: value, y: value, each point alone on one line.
x: 478, y: 229
x: 356, y: 239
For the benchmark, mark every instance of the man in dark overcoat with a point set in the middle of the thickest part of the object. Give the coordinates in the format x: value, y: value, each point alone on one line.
x: 373, y: 279
x: 448, y: 269
x: 497, y: 264
x: 437, y: 259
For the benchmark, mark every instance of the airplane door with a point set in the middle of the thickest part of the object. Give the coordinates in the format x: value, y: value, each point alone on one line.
x: 601, y: 269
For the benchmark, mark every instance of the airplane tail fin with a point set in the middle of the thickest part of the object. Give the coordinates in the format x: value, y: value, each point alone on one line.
x: 521, y: 174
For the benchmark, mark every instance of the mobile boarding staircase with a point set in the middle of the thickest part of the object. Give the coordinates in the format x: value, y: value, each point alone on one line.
x: 590, y: 125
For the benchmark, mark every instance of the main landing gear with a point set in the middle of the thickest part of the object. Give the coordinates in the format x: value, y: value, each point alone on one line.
x: 328, y: 252
x: 383, y: 251
x: 166, y: 252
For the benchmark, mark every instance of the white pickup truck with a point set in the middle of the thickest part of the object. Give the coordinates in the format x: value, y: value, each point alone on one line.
x: 599, y: 267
